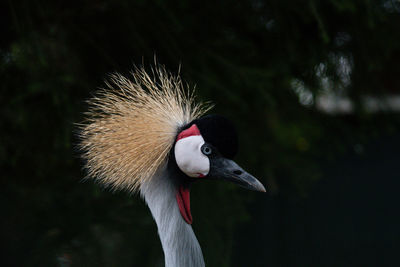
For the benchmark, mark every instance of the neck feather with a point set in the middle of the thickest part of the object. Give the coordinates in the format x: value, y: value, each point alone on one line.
x: 179, y: 243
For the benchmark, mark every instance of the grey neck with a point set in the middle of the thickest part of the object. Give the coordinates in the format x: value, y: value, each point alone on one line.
x: 180, y: 245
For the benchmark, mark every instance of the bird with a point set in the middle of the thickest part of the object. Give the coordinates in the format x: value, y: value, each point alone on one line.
x: 147, y: 133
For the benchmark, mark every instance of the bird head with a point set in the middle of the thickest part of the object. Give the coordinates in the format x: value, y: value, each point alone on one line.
x: 136, y: 127
x: 204, y: 149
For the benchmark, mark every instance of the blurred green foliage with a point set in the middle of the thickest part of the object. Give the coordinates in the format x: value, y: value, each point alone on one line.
x: 244, y: 56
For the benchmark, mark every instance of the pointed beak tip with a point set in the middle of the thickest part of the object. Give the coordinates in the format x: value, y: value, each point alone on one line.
x: 261, y: 188
x: 256, y: 185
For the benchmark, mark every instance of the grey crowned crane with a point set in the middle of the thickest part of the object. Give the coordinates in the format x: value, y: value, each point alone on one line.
x: 147, y: 134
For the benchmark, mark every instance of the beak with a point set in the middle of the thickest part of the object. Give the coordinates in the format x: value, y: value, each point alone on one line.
x: 228, y: 170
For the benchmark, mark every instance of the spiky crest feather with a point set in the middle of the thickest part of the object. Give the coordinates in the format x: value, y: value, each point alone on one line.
x: 131, y: 126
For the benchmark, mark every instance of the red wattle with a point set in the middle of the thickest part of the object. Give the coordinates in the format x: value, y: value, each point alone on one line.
x: 183, y: 199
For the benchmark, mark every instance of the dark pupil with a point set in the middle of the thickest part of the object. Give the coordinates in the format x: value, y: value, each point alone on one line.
x: 206, y: 150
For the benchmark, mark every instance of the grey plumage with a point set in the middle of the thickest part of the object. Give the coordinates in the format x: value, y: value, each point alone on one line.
x: 180, y: 245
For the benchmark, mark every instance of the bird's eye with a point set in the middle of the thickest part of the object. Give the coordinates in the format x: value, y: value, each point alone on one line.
x: 206, y: 150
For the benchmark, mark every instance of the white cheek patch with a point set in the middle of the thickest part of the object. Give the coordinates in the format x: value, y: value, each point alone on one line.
x: 189, y: 157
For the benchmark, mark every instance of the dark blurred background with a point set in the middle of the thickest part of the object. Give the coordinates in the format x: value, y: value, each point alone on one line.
x: 313, y: 87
